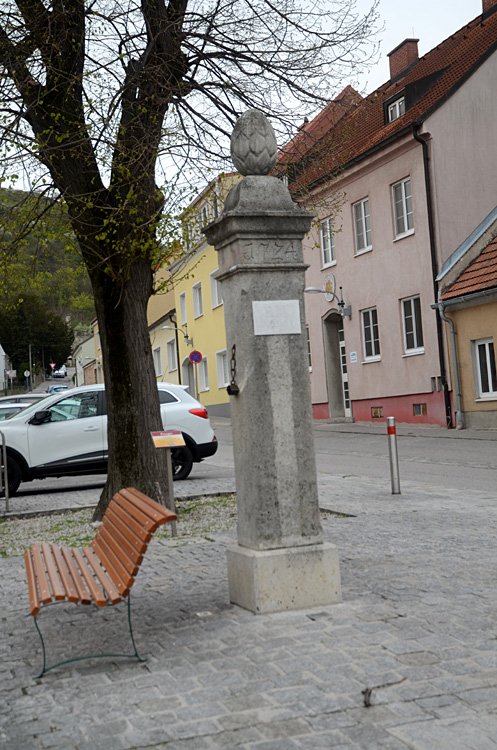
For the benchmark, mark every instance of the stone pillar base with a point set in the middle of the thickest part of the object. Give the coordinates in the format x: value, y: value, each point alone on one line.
x: 277, y: 580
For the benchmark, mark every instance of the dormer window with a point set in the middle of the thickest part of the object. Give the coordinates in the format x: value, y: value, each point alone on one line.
x: 396, y: 109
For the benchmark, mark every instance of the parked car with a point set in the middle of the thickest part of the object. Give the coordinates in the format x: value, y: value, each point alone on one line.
x: 56, y: 388
x: 7, y: 410
x: 67, y: 434
x: 59, y: 374
x: 22, y: 398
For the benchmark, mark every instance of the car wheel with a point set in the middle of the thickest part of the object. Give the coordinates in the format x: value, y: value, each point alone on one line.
x: 14, y: 477
x: 182, y: 462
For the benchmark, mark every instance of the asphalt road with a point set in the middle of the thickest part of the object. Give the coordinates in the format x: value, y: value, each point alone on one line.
x: 462, y: 459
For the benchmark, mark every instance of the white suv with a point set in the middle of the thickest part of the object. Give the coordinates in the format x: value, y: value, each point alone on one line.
x: 66, y: 434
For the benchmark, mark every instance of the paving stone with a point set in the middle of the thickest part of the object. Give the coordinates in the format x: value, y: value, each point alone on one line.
x: 418, y: 605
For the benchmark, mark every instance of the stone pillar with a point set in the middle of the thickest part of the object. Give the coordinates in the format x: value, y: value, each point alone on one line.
x: 280, y: 561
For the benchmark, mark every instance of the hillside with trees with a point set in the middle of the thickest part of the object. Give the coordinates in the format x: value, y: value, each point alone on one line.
x: 45, y: 292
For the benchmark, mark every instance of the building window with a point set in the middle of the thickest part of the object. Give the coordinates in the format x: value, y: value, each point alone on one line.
x: 362, y: 226
x: 157, y: 362
x: 172, y: 355
x: 413, y: 328
x: 371, y: 338
x: 203, y: 375
x: 419, y: 410
x: 377, y: 412
x: 396, y: 109
x: 402, y: 206
x: 215, y: 205
x: 222, y: 369
x: 216, y: 295
x: 327, y: 241
x: 484, y: 365
x: 182, y: 308
x: 198, y: 302
x: 204, y: 215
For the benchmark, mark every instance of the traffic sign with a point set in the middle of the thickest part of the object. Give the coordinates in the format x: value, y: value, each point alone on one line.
x: 195, y: 357
x: 52, y: 365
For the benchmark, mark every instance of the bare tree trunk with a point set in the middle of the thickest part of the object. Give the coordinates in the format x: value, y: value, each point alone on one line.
x: 131, y: 386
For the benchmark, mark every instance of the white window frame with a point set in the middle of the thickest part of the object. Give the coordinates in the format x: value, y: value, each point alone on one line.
x: 203, y: 375
x: 489, y: 348
x: 412, y: 325
x: 396, y: 109
x: 327, y: 242
x: 216, y: 294
x: 362, y: 226
x: 308, y: 337
x: 368, y: 338
x: 222, y: 368
x: 182, y: 309
x: 198, y: 300
x: 157, y: 361
x: 172, y: 355
x: 204, y: 214
x: 403, y: 215
x: 215, y: 205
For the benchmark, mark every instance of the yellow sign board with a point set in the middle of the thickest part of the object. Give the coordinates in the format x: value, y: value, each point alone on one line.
x: 168, y: 439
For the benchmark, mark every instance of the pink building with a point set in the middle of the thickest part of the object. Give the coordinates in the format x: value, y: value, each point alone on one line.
x: 398, y: 180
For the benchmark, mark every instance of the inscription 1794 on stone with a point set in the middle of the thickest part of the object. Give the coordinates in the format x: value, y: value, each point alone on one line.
x: 275, y: 251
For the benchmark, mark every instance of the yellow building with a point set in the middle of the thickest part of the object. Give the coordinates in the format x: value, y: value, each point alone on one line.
x: 199, y: 304
x: 161, y: 316
x: 468, y: 303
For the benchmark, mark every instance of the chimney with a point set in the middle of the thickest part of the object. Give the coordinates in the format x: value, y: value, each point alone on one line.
x: 403, y: 55
x: 487, y: 4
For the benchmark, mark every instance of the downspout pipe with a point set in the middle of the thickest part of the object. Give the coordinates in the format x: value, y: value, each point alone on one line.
x: 455, y: 371
x: 434, y: 269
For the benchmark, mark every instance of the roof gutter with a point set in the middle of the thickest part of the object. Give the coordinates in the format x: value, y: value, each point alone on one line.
x: 470, y: 297
x: 434, y: 269
x: 459, y: 417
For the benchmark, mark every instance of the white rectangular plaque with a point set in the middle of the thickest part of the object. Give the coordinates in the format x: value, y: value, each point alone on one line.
x: 276, y: 317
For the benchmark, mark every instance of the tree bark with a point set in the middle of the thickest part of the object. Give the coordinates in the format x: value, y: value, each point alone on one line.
x: 130, y: 385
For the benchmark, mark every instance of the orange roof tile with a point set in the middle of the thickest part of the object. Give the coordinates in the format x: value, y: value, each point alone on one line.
x: 480, y: 275
x: 350, y: 126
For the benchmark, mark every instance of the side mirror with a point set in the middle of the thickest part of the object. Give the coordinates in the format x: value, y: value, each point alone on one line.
x: 40, y: 417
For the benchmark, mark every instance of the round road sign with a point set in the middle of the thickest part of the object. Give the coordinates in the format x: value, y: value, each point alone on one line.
x: 195, y: 357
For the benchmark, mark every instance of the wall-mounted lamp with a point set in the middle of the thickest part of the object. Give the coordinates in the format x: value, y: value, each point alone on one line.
x: 345, y: 312
x: 188, y: 341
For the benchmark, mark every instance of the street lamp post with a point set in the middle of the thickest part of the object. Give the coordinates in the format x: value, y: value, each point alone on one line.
x: 345, y: 312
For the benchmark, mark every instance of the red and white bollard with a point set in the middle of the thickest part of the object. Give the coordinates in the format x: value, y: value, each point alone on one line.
x: 394, y: 456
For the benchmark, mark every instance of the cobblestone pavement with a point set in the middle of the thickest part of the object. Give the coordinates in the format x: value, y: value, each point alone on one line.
x: 415, y: 636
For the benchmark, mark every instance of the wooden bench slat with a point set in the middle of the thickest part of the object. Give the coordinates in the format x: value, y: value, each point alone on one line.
x: 79, y: 581
x: 129, y: 522
x: 137, y: 513
x: 151, y: 507
x: 41, y: 577
x: 107, y: 583
x: 87, y: 573
x: 58, y: 589
x: 127, y: 565
x: 112, y: 564
x: 34, y: 601
x: 71, y: 591
x: 129, y: 542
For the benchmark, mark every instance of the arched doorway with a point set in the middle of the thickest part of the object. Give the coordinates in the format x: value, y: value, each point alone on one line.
x: 337, y: 379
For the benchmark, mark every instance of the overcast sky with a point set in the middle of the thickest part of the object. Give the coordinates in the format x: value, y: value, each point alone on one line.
x: 430, y: 21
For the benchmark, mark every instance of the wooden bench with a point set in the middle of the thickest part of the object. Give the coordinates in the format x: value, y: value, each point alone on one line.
x: 102, y: 573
